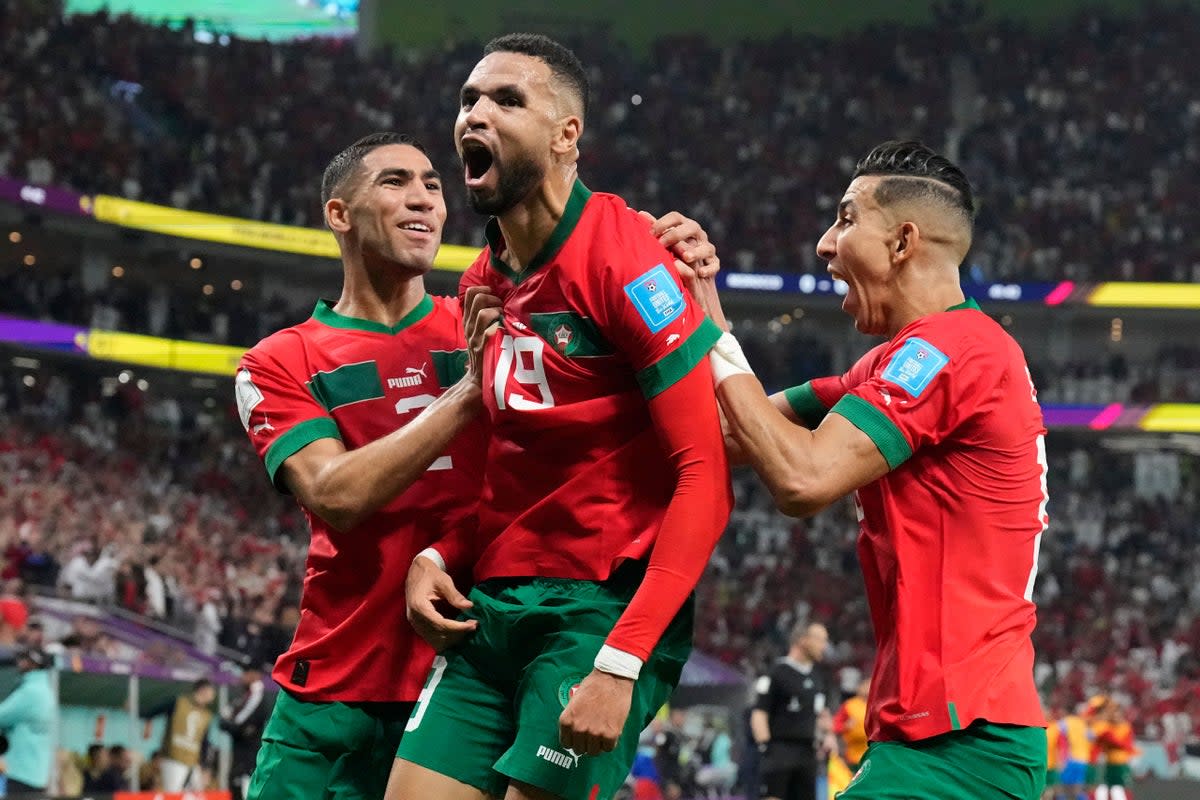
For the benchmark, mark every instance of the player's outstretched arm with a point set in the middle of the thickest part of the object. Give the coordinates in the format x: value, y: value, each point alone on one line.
x: 685, y: 418
x: 344, y: 487
x: 805, y: 470
x: 429, y: 582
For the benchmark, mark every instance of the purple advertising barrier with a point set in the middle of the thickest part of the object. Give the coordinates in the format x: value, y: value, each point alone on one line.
x: 49, y: 335
x: 53, y: 198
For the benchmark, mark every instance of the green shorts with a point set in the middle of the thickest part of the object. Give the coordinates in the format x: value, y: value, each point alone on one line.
x: 489, y: 712
x: 334, y: 750
x: 984, y: 760
x: 1117, y: 774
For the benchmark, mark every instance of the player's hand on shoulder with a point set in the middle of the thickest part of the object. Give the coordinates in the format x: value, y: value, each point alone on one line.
x: 596, y: 714
x: 427, y: 585
x: 481, y: 318
x: 695, y: 255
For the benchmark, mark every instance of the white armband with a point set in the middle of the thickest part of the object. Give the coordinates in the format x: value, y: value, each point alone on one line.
x: 727, y: 359
x: 618, y: 662
x: 434, y: 556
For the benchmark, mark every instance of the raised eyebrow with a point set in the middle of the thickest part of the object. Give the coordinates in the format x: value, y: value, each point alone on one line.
x: 846, y: 205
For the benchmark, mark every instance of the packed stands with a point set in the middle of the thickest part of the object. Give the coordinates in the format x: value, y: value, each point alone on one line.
x: 1081, y: 138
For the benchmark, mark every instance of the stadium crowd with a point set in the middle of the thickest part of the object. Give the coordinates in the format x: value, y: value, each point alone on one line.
x: 143, y: 501
x: 1082, y: 137
x: 782, y: 354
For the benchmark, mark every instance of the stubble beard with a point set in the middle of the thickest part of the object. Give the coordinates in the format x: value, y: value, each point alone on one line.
x: 516, y: 182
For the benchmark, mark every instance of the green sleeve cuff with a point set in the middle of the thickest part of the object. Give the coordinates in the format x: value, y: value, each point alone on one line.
x: 296, y: 439
x: 806, y: 405
x: 668, y: 370
x: 875, y: 424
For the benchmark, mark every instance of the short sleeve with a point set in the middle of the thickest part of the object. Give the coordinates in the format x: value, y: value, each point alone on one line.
x: 926, y: 383
x: 651, y: 318
x: 762, y: 692
x: 277, y: 410
x: 811, y: 401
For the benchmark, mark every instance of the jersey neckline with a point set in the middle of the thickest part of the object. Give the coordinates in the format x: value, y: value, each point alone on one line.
x: 558, y: 237
x: 965, y: 304
x: 325, y: 314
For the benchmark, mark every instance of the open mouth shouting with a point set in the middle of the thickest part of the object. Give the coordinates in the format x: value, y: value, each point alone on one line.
x: 478, y: 164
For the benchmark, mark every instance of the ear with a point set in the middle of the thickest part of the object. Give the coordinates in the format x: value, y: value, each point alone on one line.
x: 566, y: 139
x: 908, y: 238
x: 337, y: 215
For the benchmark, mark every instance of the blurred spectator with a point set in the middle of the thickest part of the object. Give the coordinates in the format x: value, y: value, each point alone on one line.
x: 27, y: 718
x: 13, y: 617
x: 150, y: 773
x: 208, y: 622
x: 668, y: 760
x: 185, y: 736
x: 1081, y: 135
x: 718, y: 773
x: 245, y: 723
x: 90, y: 572
x: 96, y: 768
x: 120, y: 769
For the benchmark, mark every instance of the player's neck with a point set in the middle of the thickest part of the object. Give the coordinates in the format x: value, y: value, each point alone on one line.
x: 527, y: 226
x: 379, y: 298
x: 922, y: 295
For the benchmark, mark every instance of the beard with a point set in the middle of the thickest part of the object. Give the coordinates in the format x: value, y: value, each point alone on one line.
x: 516, y: 180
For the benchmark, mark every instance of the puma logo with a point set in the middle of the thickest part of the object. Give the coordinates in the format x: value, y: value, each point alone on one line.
x: 414, y: 377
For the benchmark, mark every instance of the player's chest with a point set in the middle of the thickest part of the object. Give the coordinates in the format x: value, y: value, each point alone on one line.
x: 551, y: 349
x: 372, y: 392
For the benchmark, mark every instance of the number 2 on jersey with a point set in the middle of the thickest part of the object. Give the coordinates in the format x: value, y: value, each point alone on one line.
x: 514, y: 353
x: 416, y: 403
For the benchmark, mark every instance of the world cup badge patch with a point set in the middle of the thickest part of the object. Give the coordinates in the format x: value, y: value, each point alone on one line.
x: 915, y: 365
x: 657, y: 298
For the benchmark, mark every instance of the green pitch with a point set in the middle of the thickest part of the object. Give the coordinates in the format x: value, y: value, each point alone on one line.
x: 248, y: 19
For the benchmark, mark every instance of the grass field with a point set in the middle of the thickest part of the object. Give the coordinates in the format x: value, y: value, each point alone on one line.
x: 249, y: 19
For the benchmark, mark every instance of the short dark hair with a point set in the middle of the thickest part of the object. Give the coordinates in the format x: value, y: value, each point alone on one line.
x: 202, y: 684
x: 564, y: 64
x: 913, y: 171
x: 343, y: 165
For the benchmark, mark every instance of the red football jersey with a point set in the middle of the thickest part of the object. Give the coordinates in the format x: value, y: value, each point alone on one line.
x: 356, y: 380
x: 811, y: 401
x: 576, y: 479
x: 950, y: 536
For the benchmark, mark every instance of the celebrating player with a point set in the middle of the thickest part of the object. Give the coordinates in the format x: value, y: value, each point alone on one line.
x: 606, y: 483
x: 940, y: 433
x: 1116, y: 741
x: 358, y: 412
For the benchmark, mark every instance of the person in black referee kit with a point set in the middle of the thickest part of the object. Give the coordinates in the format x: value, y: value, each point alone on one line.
x: 791, y: 700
